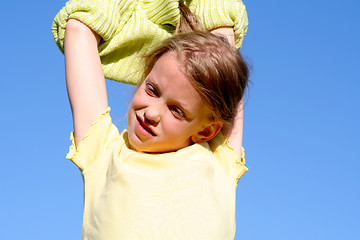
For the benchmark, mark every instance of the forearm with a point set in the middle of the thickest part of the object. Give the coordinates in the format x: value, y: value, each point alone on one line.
x: 84, y: 77
x: 235, y: 132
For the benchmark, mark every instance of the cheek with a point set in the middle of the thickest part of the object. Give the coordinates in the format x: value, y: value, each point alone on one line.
x: 177, y: 128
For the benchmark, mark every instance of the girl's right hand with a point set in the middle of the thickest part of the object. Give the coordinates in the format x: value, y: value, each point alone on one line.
x: 84, y: 76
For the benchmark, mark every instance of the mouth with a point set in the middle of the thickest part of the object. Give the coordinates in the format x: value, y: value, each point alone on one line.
x: 143, y: 128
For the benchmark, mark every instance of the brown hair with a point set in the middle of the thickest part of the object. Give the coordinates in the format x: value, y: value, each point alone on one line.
x: 216, y: 70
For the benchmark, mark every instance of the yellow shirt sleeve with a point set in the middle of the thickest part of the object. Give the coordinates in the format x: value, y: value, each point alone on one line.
x: 233, y: 164
x: 96, y: 143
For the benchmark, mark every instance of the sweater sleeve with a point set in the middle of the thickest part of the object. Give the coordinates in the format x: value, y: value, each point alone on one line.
x: 128, y: 28
x: 222, y: 13
x: 102, y: 16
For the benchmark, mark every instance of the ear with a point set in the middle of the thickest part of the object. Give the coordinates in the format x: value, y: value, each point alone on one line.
x: 208, y: 132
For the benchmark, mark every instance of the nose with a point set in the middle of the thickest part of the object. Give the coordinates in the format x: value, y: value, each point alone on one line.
x: 152, y: 115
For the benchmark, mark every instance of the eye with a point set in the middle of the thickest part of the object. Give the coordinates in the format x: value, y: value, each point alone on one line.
x: 177, y: 112
x: 151, y: 90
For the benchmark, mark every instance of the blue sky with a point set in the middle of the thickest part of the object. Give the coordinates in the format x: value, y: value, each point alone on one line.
x: 301, y: 124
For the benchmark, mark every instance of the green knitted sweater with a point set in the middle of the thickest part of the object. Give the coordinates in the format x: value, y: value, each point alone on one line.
x: 129, y: 28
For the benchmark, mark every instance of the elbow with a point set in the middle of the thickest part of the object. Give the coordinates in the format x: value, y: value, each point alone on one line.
x: 76, y: 27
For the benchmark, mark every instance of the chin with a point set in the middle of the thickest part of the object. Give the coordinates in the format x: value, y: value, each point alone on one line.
x: 138, y: 145
x: 155, y: 148
x: 134, y: 142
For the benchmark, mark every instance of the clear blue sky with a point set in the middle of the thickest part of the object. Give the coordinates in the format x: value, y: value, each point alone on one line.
x: 301, y: 124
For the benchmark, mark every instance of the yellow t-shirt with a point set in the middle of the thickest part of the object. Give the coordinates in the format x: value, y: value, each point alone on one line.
x: 188, y: 194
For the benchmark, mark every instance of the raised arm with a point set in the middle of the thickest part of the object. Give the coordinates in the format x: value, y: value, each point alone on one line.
x: 84, y: 76
x: 235, y: 132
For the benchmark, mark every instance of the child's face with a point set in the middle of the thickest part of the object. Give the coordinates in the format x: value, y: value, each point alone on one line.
x: 166, y: 113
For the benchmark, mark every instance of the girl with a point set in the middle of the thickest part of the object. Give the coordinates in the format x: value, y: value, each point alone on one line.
x: 172, y: 174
